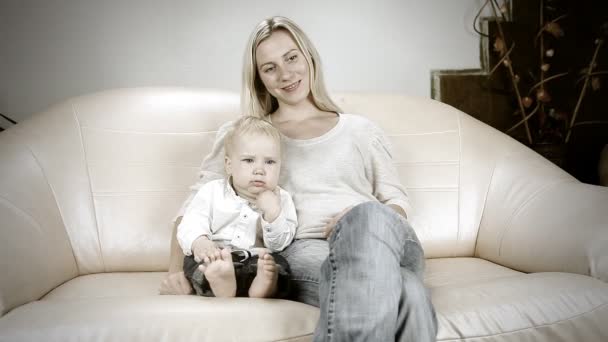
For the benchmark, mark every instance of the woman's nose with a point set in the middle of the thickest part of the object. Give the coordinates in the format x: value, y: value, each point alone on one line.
x: 285, y: 73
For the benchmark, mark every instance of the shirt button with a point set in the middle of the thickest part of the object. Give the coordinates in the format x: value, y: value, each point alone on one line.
x: 245, y: 216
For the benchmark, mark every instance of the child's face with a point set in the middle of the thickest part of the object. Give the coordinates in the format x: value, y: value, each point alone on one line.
x: 254, y: 164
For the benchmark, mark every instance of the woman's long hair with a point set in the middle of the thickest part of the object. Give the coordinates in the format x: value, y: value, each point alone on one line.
x: 255, y: 99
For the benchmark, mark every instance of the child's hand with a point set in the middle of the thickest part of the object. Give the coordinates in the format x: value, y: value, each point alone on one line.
x: 204, y: 249
x: 270, y: 204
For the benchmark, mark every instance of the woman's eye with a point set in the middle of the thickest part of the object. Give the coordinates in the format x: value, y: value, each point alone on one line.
x: 267, y: 70
x: 293, y: 58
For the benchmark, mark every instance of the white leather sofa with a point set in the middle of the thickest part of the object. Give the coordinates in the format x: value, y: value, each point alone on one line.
x: 517, y: 249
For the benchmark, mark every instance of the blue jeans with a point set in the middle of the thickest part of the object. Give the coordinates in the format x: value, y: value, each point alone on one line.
x: 367, y: 280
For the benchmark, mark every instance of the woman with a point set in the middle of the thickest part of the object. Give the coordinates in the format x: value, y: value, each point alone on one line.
x: 355, y: 256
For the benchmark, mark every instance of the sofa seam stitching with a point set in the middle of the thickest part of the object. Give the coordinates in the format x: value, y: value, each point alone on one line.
x: 484, y: 206
x: 22, y: 211
x: 59, y: 209
x: 515, y: 213
x: 86, y: 163
x: 292, y: 337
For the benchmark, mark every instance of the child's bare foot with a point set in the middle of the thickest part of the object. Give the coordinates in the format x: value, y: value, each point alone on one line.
x: 265, y: 283
x: 220, y: 274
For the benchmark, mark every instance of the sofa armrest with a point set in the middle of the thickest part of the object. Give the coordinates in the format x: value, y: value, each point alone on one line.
x: 537, y: 218
x: 35, y: 252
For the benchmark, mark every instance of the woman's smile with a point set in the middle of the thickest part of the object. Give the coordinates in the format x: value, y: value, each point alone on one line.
x: 292, y: 87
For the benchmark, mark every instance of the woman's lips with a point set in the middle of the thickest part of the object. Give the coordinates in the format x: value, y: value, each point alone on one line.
x: 292, y: 87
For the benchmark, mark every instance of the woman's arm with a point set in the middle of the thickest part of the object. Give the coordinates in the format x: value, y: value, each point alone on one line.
x: 175, y: 283
x: 399, y: 210
x: 384, y: 176
x: 176, y: 259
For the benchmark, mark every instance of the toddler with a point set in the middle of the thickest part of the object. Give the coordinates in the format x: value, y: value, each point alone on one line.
x: 233, y: 226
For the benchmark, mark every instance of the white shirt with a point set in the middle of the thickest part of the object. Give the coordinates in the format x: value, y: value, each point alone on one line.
x: 350, y: 164
x: 217, y: 212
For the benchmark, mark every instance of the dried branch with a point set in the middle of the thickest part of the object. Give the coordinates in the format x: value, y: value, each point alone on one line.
x: 584, y: 89
x: 502, y: 60
x: 546, y: 80
x: 591, y: 122
x: 525, y: 118
x: 544, y: 27
x: 512, y: 75
x: 592, y: 74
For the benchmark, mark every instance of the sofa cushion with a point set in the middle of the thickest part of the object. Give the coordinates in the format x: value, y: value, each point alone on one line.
x: 477, y: 300
x: 159, y: 318
x: 104, y: 285
x: 127, y: 307
x: 461, y: 271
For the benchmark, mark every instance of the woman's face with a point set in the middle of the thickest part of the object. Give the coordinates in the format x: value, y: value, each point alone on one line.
x: 283, y: 68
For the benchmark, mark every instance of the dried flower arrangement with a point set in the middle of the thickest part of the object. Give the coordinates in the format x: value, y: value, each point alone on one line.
x: 539, y: 90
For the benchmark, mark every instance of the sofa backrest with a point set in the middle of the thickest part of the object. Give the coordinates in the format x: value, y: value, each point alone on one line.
x: 35, y: 249
x: 142, y: 149
x: 95, y: 181
x: 444, y: 165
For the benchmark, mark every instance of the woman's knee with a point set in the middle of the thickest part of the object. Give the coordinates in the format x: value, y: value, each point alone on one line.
x: 413, y: 258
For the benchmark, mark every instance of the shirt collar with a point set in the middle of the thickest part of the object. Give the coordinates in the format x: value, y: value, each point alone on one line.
x: 230, y: 193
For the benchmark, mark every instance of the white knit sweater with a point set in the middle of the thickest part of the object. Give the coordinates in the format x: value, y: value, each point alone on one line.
x: 348, y: 165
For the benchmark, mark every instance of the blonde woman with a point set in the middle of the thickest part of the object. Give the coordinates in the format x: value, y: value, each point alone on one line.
x: 354, y: 254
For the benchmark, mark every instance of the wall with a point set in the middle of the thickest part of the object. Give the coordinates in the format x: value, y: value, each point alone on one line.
x: 54, y: 49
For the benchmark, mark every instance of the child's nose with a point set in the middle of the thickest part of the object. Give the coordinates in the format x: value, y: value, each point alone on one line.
x: 259, y: 170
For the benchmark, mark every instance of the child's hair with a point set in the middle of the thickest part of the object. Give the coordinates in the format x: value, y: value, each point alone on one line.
x: 250, y: 125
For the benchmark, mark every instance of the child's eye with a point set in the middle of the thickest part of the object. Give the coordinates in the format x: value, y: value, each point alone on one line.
x: 271, y: 162
x: 248, y: 160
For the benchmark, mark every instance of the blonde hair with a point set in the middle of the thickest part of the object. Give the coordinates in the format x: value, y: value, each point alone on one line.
x: 255, y: 99
x: 250, y: 125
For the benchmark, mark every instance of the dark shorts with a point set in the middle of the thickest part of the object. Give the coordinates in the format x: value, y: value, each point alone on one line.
x: 244, y: 271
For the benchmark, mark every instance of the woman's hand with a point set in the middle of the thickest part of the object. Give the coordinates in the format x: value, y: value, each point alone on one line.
x: 399, y: 210
x: 331, y: 223
x: 175, y: 284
